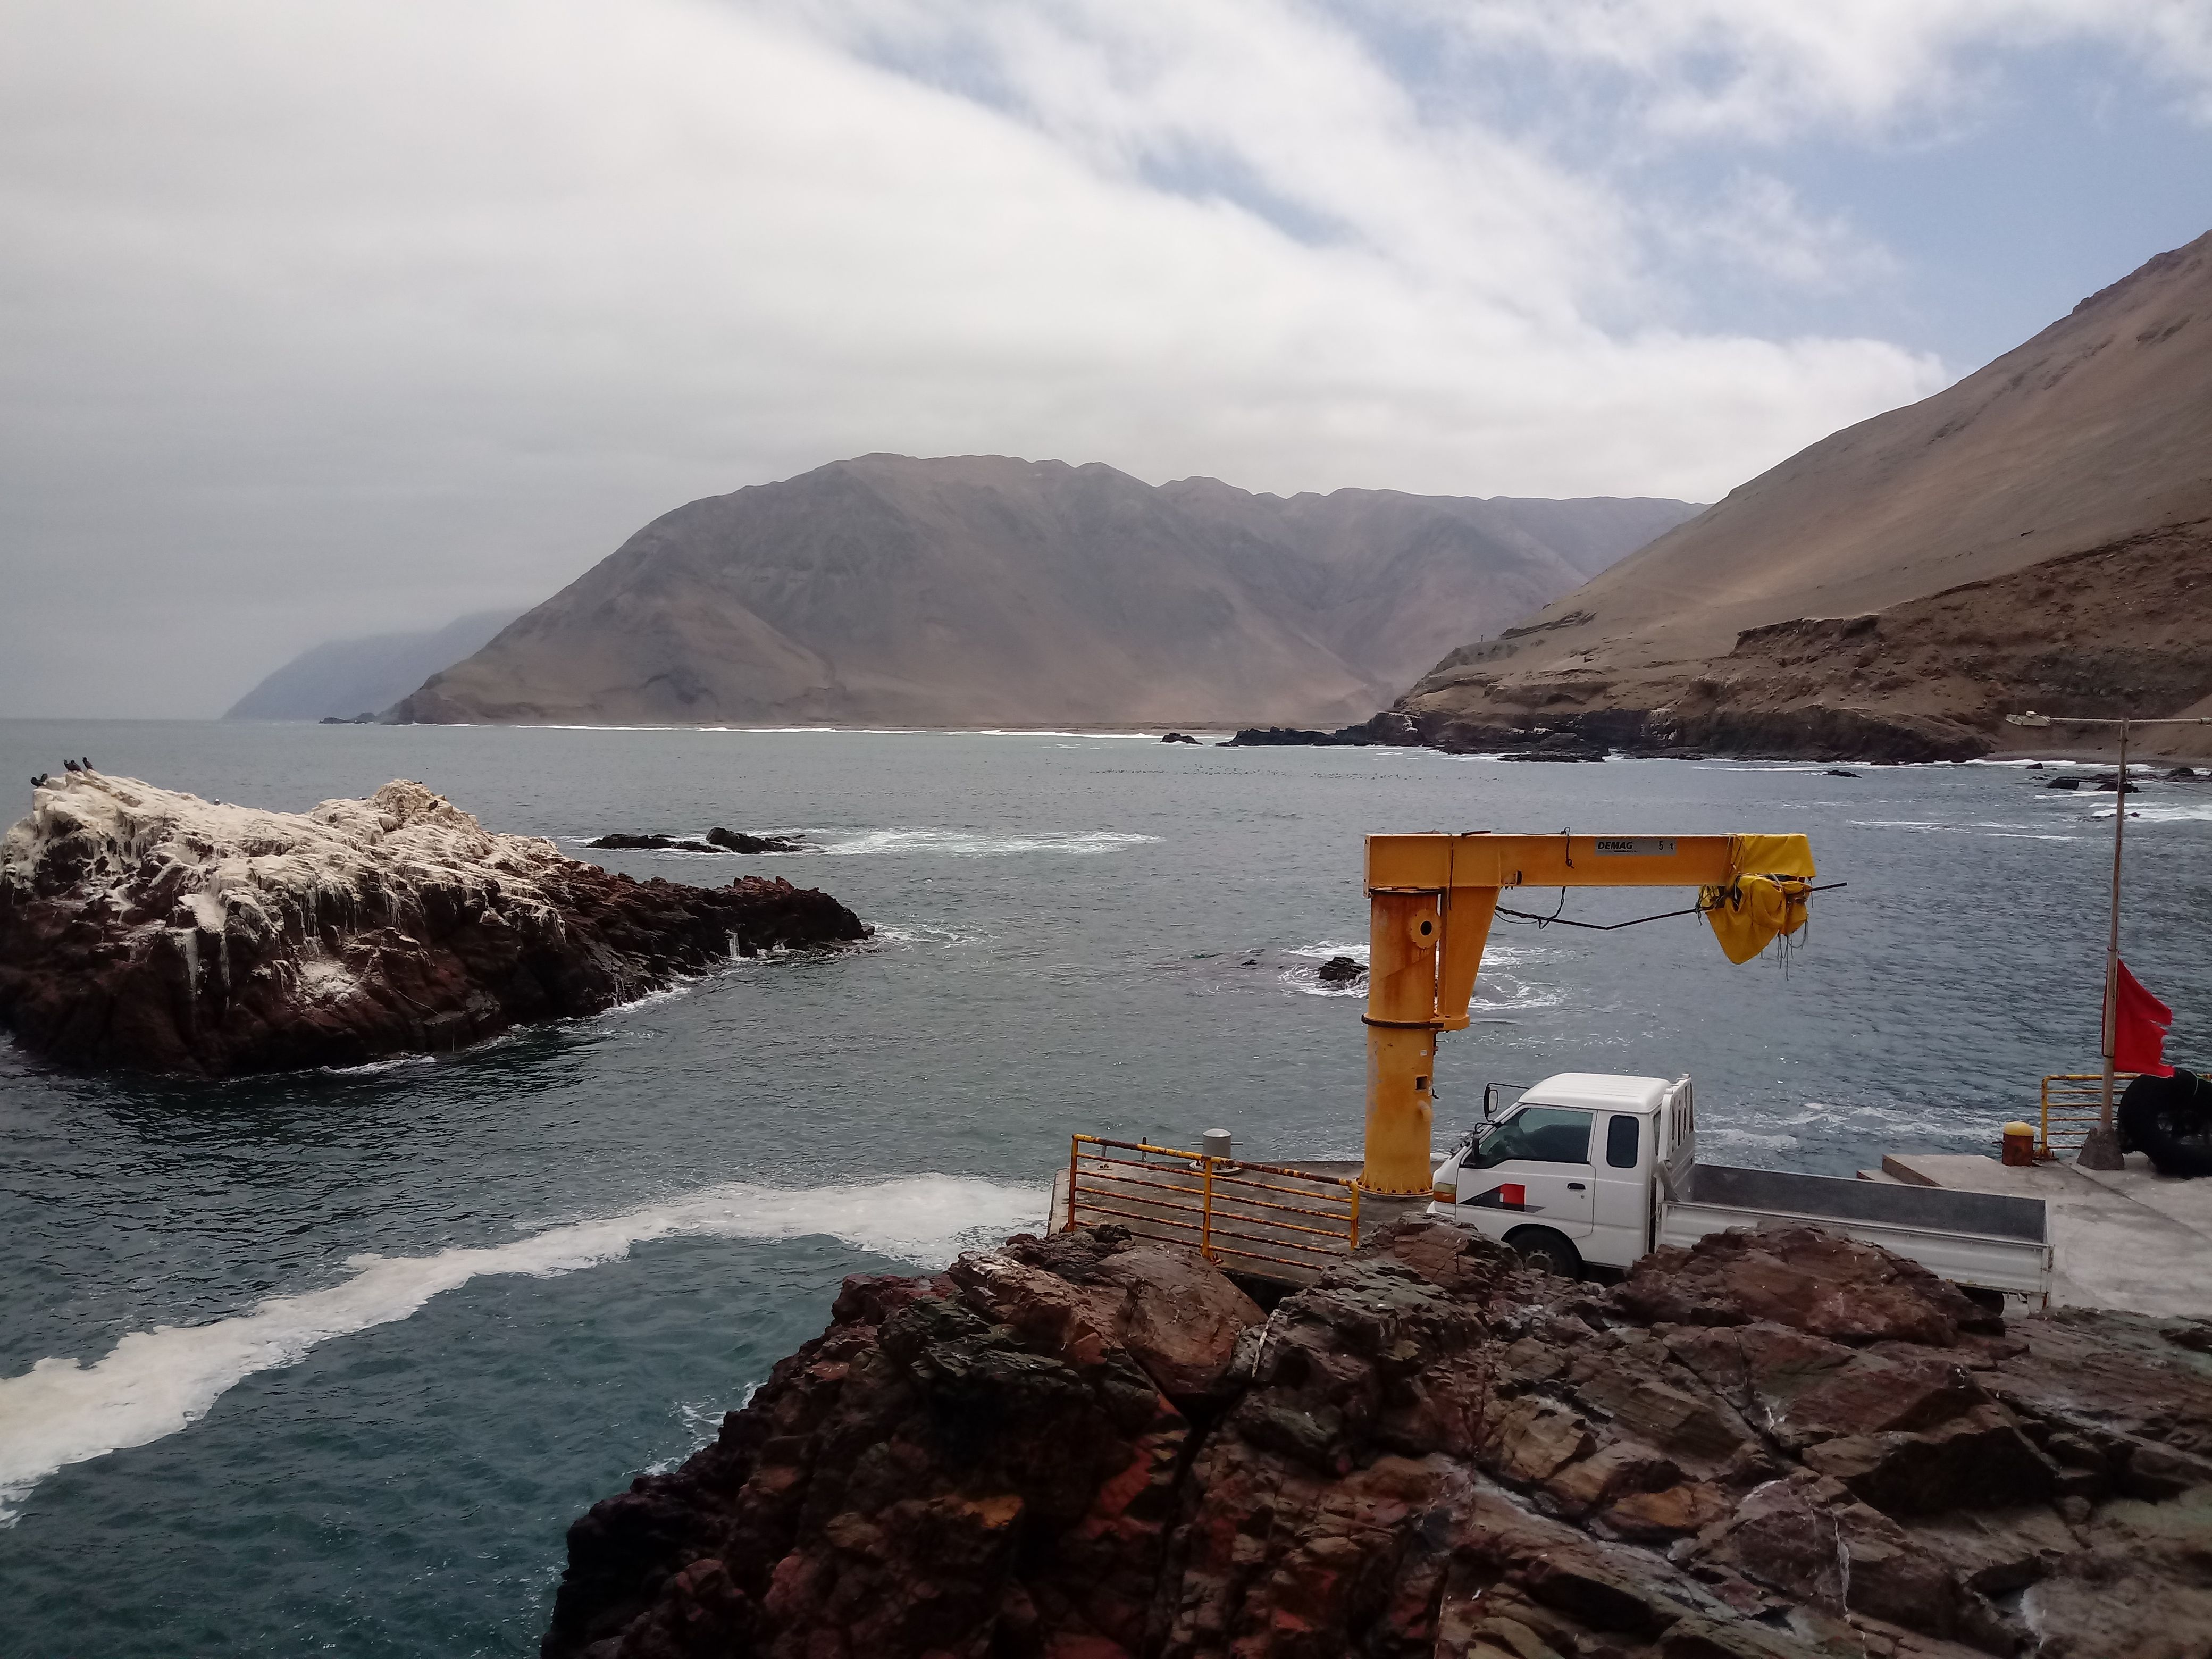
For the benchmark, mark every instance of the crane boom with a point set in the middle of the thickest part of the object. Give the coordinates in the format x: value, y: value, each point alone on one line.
x: 1432, y: 898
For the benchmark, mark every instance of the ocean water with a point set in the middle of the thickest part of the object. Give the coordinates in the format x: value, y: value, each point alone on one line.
x: 326, y: 1363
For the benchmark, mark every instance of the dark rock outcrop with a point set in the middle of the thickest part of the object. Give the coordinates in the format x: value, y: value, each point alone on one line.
x: 717, y: 839
x: 1291, y: 737
x: 737, y: 841
x: 145, y: 928
x: 1769, y: 1445
x: 1340, y: 971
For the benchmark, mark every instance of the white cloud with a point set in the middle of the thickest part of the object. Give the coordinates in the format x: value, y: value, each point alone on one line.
x: 331, y: 318
x: 1765, y: 69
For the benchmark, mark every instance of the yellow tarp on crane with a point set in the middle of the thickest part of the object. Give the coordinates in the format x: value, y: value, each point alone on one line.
x: 1765, y: 899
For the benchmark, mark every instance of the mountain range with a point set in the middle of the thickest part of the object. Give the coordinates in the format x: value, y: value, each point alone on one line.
x: 342, y: 679
x: 989, y: 591
x: 2038, y: 535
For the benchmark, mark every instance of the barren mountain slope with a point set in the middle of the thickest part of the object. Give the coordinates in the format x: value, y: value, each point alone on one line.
x: 2092, y: 436
x: 985, y: 589
x: 345, y: 677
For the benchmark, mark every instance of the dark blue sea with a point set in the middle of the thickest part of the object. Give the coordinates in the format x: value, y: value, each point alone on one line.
x: 326, y: 1364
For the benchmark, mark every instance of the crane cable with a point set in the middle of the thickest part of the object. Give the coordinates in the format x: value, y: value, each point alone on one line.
x: 1698, y: 909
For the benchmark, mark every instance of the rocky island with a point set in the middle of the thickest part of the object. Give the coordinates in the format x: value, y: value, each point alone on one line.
x: 1091, y: 1447
x: 145, y: 928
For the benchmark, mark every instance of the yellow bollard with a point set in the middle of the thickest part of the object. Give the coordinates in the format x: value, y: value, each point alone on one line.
x: 1404, y: 930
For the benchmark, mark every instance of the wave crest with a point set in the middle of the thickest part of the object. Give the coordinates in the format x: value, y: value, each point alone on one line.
x: 153, y: 1384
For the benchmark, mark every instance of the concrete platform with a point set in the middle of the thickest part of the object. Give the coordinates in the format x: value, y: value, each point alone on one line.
x: 2130, y: 1239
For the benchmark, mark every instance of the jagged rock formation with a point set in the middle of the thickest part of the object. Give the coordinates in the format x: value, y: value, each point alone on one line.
x: 983, y: 590
x: 146, y: 929
x: 1781, y: 1445
x: 2039, y: 536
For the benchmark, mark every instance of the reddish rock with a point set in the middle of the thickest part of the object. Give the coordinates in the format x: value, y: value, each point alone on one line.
x: 1790, y: 1448
x: 145, y: 928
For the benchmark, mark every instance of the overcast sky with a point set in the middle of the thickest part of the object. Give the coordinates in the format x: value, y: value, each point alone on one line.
x: 328, y: 317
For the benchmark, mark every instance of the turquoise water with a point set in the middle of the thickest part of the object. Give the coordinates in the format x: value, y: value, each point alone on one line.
x: 327, y: 1364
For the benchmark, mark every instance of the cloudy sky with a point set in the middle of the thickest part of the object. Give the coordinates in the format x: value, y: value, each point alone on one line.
x: 328, y: 318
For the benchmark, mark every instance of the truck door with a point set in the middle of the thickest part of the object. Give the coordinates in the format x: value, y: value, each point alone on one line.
x: 1534, y: 1167
x: 1620, y: 1218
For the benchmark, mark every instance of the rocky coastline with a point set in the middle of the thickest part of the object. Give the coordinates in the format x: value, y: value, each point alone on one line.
x: 148, y: 929
x: 2115, y: 629
x: 1093, y: 1447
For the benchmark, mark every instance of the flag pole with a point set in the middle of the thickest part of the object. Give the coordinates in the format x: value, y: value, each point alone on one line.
x: 2100, y: 1147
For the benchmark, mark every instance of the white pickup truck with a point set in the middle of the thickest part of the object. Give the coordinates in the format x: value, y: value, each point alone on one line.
x: 1589, y: 1169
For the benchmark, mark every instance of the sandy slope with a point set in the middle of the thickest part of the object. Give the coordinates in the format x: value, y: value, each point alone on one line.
x: 983, y: 590
x: 2096, y: 434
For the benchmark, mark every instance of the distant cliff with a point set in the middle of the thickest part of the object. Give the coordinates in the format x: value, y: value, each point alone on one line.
x: 2038, y: 535
x: 989, y: 591
x: 342, y: 678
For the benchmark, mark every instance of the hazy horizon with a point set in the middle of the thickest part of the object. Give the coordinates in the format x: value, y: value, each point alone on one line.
x: 350, y: 320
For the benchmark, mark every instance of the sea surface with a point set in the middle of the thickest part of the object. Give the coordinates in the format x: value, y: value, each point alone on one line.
x: 327, y: 1364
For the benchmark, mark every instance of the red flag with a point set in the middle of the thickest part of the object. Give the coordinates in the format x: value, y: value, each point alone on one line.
x: 2139, y: 1032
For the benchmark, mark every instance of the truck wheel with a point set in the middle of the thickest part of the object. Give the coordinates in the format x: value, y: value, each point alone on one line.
x: 2170, y: 1118
x: 1542, y: 1248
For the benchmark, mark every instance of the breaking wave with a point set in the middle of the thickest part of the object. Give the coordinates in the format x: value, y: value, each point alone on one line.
x: 963, y: 843
x: 153, y: 1384
x: 1992, y: 832
x: 2195, y: 811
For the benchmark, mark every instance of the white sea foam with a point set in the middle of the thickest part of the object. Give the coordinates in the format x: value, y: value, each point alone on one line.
x: 963, y: 843
x: 918, y: 933
x: 1991, y: 831
x: 2194, y: 811
x: 1325, y: 950
x: 153, y: 1384
x: 1720, y: 1135
x: 1494, y: 955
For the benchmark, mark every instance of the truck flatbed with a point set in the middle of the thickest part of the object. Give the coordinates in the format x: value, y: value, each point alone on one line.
x: 1992, y: 1240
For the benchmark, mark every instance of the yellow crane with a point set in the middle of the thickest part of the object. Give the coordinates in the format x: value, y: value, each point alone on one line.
x: 1431, y: 899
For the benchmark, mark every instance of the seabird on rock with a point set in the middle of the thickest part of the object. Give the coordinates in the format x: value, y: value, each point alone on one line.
x: 84, y: 765
x: 40, y: 781
x: 68, y: 765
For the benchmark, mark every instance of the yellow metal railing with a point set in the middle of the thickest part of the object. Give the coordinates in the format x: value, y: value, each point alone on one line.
x: 1234, y: 1211
x: 2073, y: 1102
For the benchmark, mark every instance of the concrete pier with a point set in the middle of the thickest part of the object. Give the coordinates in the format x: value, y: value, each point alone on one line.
x: 2128, y: 1238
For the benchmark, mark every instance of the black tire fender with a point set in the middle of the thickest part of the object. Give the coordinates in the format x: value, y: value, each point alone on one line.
x: 2170, y: 1119
x: 1554, y: 1252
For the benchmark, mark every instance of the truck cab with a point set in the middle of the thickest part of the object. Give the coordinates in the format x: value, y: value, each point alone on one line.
x: 1567, y: 1174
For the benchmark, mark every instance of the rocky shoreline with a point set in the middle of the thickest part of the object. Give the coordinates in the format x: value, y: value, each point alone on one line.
x: 1091, y: 1447
x: 2116, y: 629
x: 148, y: 929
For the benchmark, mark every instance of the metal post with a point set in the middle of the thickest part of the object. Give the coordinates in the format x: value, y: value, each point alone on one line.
x: 1206, y: 1212
x: 1074, y: 1157
x: 2100, y: 1147
x: 1404, y: 930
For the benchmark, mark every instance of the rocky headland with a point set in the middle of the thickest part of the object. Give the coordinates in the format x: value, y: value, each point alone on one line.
x: 2038, y: 535
x: 1089, y: 1447
x: 991, y: 591
x: 145, y: 928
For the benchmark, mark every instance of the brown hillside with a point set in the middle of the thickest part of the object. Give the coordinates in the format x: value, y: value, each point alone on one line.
x: 2093, y: 439
x: 989, y: 591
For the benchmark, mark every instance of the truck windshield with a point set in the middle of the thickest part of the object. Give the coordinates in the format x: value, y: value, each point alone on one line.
x: 1536, y: 1134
